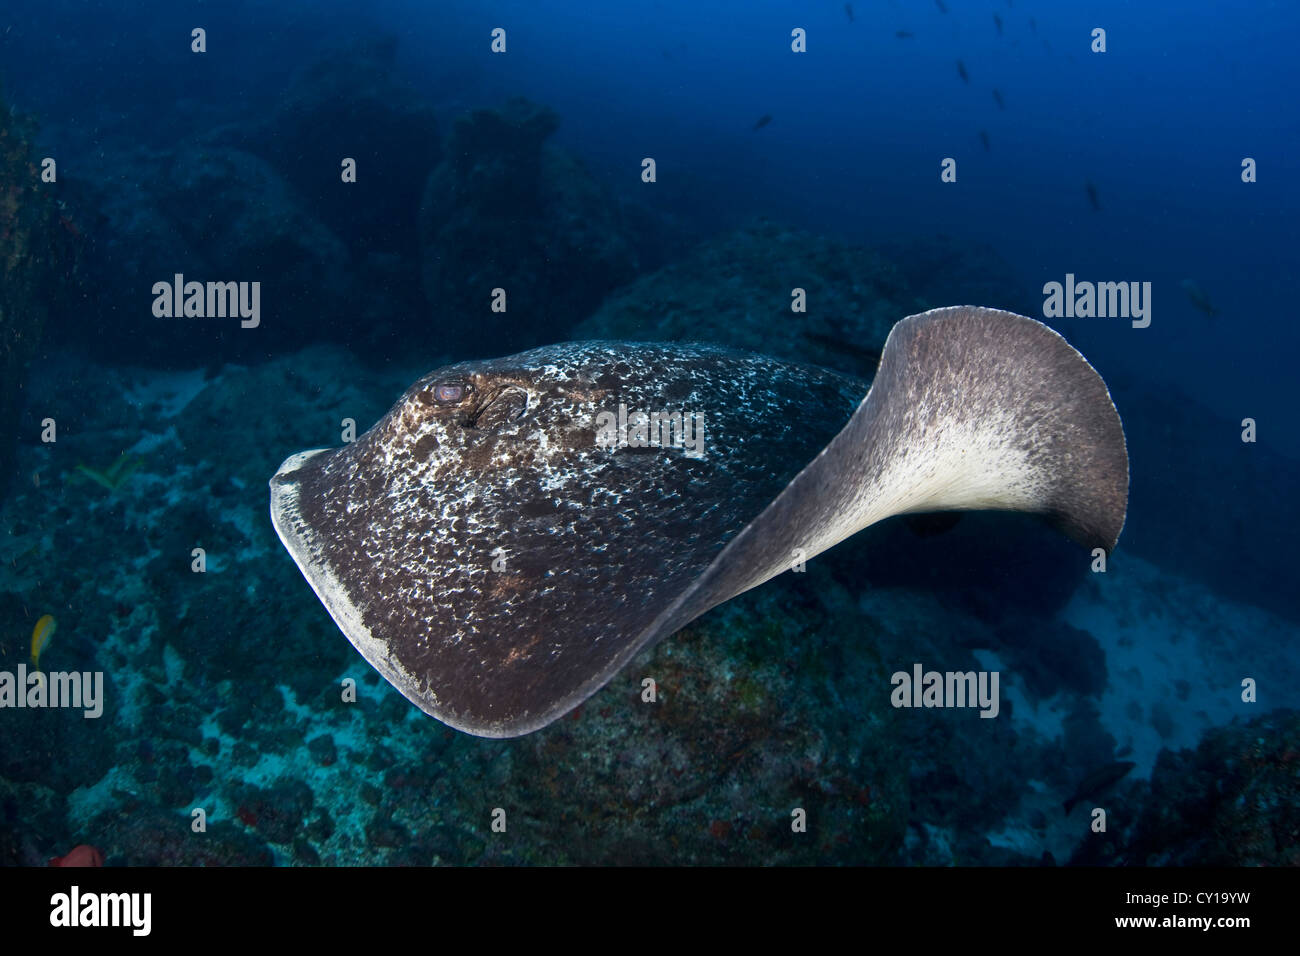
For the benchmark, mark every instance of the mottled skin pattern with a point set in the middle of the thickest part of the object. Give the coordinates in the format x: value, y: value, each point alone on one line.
x: 592, y: 542
x: 603, y: 551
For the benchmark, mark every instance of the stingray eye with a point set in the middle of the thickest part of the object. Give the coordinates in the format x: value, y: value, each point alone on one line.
x: 449, y: 393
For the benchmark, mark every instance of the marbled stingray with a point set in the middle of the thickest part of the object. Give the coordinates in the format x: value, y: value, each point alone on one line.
x: 499, y: 564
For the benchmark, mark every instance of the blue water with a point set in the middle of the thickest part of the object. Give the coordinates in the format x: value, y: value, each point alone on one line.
x: 1115, y: 166
x: 1159, y: 123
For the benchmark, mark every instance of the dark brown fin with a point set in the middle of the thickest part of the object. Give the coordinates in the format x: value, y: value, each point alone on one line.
x: 971, y: 409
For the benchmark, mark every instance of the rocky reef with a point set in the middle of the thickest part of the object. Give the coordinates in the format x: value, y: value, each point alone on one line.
x: 350, y: 103
x: 1234, y: 800
x: 736, y: 290
x: 229, y: 688
x: 507, y: 210
x: 265, y: 201
x: 211, y: 214
x: 774, y: 703
x: 40, y: 246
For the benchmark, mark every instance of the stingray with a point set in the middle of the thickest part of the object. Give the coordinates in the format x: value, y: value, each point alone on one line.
x: 511, y: 533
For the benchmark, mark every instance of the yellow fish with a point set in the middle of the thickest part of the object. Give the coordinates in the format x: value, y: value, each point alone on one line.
x: 41, y: 637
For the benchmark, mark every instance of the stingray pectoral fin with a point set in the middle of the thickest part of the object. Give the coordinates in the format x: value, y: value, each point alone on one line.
x: 981, y: 409
x: 604, y: 552
x: 971, y: 408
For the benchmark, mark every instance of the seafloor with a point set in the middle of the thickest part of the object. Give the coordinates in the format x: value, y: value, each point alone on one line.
x: 224, y: 687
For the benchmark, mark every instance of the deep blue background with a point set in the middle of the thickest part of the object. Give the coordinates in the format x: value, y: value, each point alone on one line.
x: 1159, y: 124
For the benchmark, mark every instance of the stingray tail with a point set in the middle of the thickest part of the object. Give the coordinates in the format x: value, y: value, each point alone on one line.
x: 975, y: 408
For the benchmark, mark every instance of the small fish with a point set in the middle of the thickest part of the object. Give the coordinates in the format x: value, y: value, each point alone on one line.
x: 961, y: 71
x: 1092, y: 195
x: 904, y: 34
x: 940, y: 5
x: 997, y: 95
x: 1198, y: 298
x: 1033, y: 26
x: 984, y: 138
x: 41, y: 635
x: 1099, y: 780
x: 848, y: 11
x: 997, y: 21
x: 763, y: 121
